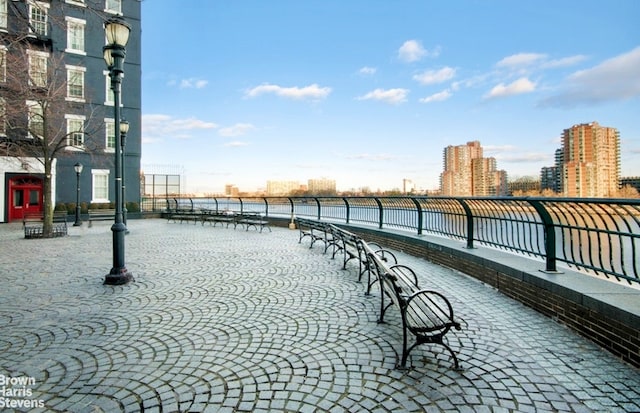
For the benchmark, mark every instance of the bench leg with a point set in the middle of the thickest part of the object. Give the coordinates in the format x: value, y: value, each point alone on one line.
x: 430, y: 340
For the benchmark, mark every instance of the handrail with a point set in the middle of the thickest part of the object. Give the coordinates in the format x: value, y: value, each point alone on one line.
x: 597, y: 236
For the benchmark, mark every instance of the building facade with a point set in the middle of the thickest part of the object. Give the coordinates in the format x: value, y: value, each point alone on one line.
x: 280, y: 188
x: 62, y: 44
x: 321, y: 186
x: 591, y: 161
x: 468, y: 173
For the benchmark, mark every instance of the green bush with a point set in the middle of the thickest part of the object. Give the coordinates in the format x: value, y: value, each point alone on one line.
x: 133, y: 207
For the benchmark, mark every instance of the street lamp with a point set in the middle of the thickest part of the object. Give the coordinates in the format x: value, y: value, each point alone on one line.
x: 124, y: 128
x: 117, y: 33
x: 78, y: 169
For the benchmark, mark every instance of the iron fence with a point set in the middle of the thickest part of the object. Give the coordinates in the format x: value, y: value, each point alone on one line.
x: 597, y: 236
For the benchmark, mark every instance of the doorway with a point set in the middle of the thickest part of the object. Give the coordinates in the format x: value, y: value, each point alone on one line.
x: 25, y: 197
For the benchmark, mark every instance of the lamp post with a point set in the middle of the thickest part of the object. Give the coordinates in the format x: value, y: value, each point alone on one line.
x: 78, y: 168
x: 124, y: 128
x: 117, y: 33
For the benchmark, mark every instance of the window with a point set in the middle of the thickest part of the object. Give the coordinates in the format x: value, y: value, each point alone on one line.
x: 75, y: 131
x: 75, y: 2
x: 38, y: 16
x: 36, y: 120
x: 3, y: 117
x: 3, y: 13
x: 3, y: 63
x: 38, y: 68
x: 75, y: 35
x: 110, y: 133
x: 75, y: 83
x: 100, y: 185
x: 108, y: 100
x: 113, y: 6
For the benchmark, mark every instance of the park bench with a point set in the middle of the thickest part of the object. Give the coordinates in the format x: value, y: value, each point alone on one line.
x: 182, y: 215
x: 426, y: 314
x: 214, y: 217
x: 353, y: 247
x: 101, y: 215
x: 33, y: 225
x: 315, y: 230
x: 251, y: 219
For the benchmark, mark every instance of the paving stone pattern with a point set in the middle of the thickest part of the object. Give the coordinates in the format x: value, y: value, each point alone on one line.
x: 223, y: 320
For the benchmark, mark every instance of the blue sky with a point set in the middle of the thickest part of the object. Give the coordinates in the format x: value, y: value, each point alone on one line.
x: 368, y: 92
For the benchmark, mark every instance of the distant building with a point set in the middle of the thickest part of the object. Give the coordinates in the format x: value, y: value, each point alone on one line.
x: 632, y: 181
x: 280, y: 188
x: 231, y: 190
x: 549, y: 179
x: 468, y: 173
x: 321, y: 186
x: 408, y: 187
x: 591, y: 161
x: 524, y: 185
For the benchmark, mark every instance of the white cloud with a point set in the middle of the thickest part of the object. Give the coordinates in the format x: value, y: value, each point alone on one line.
x: 190, y: 83
x: 392, y: 96
x: 615, y: 79
x: 236, y: 130
x: 564, y: 61
x: 368, y: 71
x: 517, y: 87
x: 372, y: 157
x: 430, y: 77
x: 235, y: 144
x: 437, y: 97
x: 156, y: 127
x: 311, y: 92
x: 521, y: 59
x: 412, y: 51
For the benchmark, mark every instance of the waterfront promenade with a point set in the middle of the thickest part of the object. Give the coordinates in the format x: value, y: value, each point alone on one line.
x: 223, y: 320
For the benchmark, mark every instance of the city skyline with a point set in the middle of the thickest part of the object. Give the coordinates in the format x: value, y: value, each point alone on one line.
x: 369, y: 93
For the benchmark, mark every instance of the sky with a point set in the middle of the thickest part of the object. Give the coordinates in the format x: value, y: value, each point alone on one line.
x: 370, y: 92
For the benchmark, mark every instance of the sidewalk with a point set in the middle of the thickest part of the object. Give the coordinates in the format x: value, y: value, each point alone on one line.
x: 223, y: 320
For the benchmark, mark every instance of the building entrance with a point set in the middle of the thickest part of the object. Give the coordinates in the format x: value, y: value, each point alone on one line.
x: 25, y: 197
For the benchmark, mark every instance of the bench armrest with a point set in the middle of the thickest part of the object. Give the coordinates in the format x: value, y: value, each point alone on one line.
x: 429, y: 311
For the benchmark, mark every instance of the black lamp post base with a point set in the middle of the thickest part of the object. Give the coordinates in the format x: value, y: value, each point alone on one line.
x: 118, y: 277
x: 77, y: 224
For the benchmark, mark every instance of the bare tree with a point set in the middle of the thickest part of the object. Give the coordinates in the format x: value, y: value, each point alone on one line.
x: 40, y: 120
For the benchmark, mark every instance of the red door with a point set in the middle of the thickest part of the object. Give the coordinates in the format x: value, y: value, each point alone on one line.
x: 25, y: 197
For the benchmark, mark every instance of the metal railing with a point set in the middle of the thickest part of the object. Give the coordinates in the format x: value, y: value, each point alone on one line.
x: 597, y: 236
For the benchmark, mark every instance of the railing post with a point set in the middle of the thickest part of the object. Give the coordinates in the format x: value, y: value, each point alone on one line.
x: 318, y: 203
x: 380, y: 212
x: 292, y: 224
x: 266, y: 207
x: 419, y: 209
x: 241, y: 205
x: 191, y: 202
x: 348, y: 209
x: 549, y: 235
x: 470, y: 231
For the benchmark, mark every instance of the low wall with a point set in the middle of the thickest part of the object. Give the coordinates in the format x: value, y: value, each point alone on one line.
x: 605, y: 312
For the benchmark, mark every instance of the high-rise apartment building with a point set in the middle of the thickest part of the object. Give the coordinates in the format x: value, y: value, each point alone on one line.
x: 321, y: 186
x: 47, y: 42
x: 280, y: 188
x: 591, y: 161
x: 468, y: 173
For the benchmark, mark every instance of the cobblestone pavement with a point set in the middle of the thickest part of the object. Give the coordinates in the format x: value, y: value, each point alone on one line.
x: 227, y: 320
